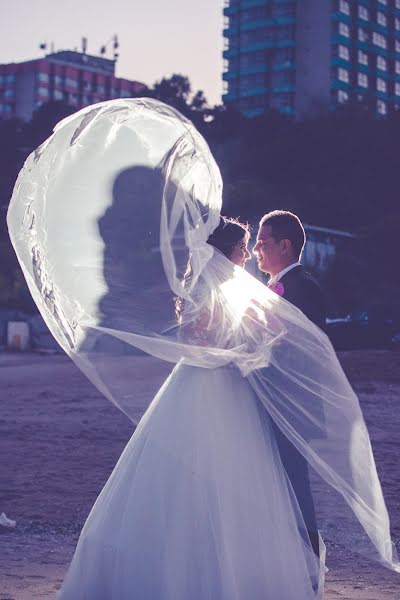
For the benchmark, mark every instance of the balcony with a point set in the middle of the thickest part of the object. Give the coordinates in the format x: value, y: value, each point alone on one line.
x: 251, y: 69
x: 256, y: 24
x: 342, y: 62
x: 230, y: 10
x: 230, y: 75
x: 253, y: 91
x: 253, y: 112
x: 284, y: 88
x: 252, y: 3
x: 336, y: 84
x: 230, y: 53
x: 229, y: 97
x: 230, y: 32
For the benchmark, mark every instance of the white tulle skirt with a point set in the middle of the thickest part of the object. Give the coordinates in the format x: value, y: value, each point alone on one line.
x: 198, y: 506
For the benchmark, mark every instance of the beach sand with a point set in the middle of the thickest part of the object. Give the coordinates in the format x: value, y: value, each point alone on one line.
x: 60, y: 439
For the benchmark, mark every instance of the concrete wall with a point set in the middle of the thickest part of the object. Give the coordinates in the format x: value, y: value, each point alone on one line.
x: 313, y: 58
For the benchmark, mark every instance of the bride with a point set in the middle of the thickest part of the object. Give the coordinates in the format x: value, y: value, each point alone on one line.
x: 198, y: 506
x: 104, y: 217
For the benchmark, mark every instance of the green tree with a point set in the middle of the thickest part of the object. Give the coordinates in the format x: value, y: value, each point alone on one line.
x: 176, y: 91
x: 43, y: 121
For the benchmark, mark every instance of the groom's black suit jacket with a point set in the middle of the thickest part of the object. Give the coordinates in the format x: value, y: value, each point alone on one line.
x: 302, y: 290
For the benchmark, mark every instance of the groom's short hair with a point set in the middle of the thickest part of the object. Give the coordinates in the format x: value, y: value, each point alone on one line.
x: 286, y: 226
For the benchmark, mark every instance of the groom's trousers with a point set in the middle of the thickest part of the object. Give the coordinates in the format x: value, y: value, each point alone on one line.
x: 296, y: 468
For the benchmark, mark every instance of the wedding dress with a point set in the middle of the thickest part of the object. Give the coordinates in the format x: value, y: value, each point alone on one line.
x: 198, y: 506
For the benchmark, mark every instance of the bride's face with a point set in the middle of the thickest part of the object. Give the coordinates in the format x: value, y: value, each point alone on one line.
x: 240, y: 253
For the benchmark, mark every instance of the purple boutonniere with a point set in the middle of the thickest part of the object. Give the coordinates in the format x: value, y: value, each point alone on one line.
x: 278, y: 288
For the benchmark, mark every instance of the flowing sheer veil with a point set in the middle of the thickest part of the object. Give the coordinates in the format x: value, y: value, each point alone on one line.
x: 104, y: 218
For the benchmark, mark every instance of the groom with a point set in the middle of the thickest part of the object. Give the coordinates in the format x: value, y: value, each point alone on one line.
x: 280, y: 242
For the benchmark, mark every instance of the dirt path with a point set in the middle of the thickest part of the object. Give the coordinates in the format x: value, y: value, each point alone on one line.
x: 60, y: 439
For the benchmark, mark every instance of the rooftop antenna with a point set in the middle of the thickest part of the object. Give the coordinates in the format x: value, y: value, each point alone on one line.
x: 115, y: 46
x: 84, y: 44
x: 43, y: 46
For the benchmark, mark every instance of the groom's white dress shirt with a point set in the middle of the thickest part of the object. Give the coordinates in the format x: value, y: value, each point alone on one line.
x: 273, y: 280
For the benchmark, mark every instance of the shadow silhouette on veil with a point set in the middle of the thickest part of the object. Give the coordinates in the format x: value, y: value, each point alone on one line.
x: 138, y: 298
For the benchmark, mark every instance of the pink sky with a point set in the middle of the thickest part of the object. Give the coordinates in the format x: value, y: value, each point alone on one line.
x: 157, y: 37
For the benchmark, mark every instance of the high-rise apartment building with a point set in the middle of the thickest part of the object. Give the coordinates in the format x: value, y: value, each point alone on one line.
x: 75, y: 78
x: 304, y: 57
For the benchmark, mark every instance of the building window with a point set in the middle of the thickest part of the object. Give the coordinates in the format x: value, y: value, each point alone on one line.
x: 362, y: 35
x: 381, y: 63
x: 362, y: 80
x: 57, y: 95
x: 397, y: 4
x: 344, y: 30
x: 397, y: 45
x: 397, y: 24
x: 379, y: 40
x: 344, y: 7
x: 43, y: 91
x: 381, y: 85
x: 397, y: 67
x: 58, y: 80
x: 342, y: 96
x: 381, y: 107
x: 43, y: 77
x: 381, y: 19
x: 10, y: 78
x: 397, y: 89
x: 72, y: 83
x: 10, y: 93
x: 363, y: 13
x: 384, y: 2
x: 362, y: 58
x: 343, y: 75
x: 344, y: 52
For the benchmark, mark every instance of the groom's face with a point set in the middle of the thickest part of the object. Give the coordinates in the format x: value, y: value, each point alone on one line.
x: 268, y: 251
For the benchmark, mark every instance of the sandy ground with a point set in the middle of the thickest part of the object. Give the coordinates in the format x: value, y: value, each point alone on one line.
x: 59, y: 441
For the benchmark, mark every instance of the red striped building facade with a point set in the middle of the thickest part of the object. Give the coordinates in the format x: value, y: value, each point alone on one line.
x: 75, y: 78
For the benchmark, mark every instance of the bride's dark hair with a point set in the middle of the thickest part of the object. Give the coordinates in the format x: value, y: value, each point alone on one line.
x: 224, y: 238
x: 228, y: 233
